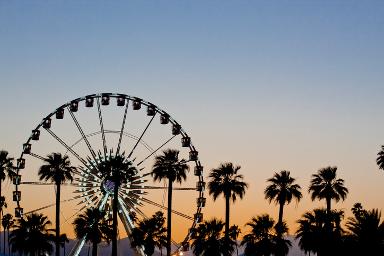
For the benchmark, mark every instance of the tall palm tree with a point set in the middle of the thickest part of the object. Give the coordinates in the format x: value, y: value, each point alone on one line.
x: 119, y: 170
x: 92, y: 225
x: 325, y: 185
x: 207, y: 239
x: 150, y: 233
x: 262, y: 239
x: 32, y: 235
x: 57, y: 169
x: 227, y: 182
x: 6, y: 170
x: 366, y: 229
x: 168, y: 167
x: 282, y: 189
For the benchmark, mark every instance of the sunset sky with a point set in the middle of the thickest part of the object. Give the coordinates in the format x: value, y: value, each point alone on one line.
x: 268, y: 85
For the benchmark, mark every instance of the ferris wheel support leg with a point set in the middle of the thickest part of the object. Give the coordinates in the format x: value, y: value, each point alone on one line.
x: 79, y: 245
x: 128, y: 225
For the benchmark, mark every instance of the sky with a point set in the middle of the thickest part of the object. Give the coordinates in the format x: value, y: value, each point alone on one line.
x: 267, y: 85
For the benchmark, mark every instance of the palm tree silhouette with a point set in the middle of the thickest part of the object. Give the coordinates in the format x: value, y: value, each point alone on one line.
x: 380, y: 158
x: 207, y: 239
x: 262, y: 239
x: 366, y: 231
x: 168, y: 166
x: 282, y: 190
x: 32, y: 236
x: 92, y: 225
x: 313, y: 234
x: 119, y: 170
x: 7, y: 223
x: 225, y: 180
x: 150, y: 233
x: 63, y: 240
x: 57, y: 169
x: 325, y: 185
x: 6, y: 170
x: 234, y: 232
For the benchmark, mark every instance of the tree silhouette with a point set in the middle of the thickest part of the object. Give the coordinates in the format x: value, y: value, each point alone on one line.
x: 207, y: 239
x: 92, y: 225
x: 325, y: 185
x: 63, y: 240
x: 225, y: 181
x: 366, y: 232
x: 150, y: 233
x: 119, y: 170
x: 32, y: 236
x: 263, y: 239
x: 7, y: 222
x: 380, y: 158
x: 282, y: 190
x: 234, y: 232
x: 57, y: 169
x: 168, y: 166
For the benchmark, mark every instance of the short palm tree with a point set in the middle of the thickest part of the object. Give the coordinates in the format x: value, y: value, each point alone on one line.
x: 169, y: 167
x: 282, y: 189
x: 63, y: 240
x: 119, y: 170
x: 150, y: 233
x: 92, y: 226
x: 226, y: 181
x: 325, y: 185
x: 263, y: 239
x: 234, y: 232
x: 57, y: 169
x: 207, y: 239
x: 366, y: 229
x: 6, y: 222
x: 32, y: 235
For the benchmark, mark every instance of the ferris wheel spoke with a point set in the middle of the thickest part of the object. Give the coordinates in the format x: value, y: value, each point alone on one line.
x: 102, y: 127
x: 158, y: 187
x: 40, y: 183
x: 66, y: 146
x: 122, y: 128
x: 50, y: 205
x: 37, y: 156
x: 83, y: 134
x: 166, y: 208
x: 154, y: 152
x: 141, y: 136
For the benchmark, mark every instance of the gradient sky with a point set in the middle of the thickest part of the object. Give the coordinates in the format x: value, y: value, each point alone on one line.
x: 268, y: 85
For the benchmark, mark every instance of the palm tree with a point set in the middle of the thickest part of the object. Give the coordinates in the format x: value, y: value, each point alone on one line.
x: 119, y: 170
x: 168, y: 166
x: 150, y: 233
x: 207, y: 239
x: 226, y: 181
x: 366, y: 231
x: 92, y: 225
x: 57, y: 169
x: 325, y: 185
x: 6, y: 170
x: 313, y: 235
x: 234, y: 232
x: 7, y: 222
x: 32, y: 236
x: 282, y: 190
x: 262, y: 239
x: 380, y: 158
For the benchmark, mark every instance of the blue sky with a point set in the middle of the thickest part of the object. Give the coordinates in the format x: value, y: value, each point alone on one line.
x: 269, y: 85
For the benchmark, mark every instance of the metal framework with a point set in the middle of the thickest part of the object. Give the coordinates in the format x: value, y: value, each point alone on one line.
x: 88, y: 181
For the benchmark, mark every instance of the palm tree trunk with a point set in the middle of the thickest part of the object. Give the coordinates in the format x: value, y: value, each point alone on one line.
x: 9, y: 244
x: 169, y: 218
x: 227, y: 198
x: 281, y: 211
x: 328, y: 223
x: 114, y: 228
x: 57, y: 250
x: 94, y: 249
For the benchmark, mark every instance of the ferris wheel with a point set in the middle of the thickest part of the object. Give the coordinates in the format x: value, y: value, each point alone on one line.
x: 92, y: 129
